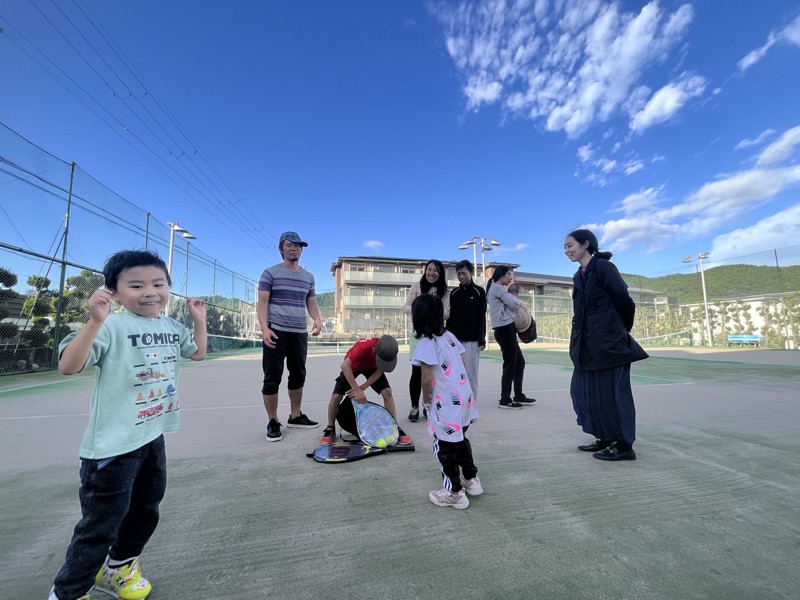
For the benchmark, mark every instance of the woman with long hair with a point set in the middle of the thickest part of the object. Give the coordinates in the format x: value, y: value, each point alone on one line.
x: 602, y: 350
x: 502, y: 311
x: 433, y: 281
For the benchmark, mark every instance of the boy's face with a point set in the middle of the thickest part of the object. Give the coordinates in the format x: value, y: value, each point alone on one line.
x: 143, y: 290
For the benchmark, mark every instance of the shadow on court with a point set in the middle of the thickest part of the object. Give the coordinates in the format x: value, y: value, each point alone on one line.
x: 709, y: 510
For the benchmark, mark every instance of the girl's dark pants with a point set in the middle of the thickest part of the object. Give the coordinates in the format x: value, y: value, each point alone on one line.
x: 513, y: 361
x: 456, y: 460
x: 119, y: 503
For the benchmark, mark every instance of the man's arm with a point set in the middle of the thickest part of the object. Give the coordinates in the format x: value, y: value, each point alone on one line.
x: 197, y: 308
x: 262, y: 312
x: 75, y: 355
x: 311, y: 305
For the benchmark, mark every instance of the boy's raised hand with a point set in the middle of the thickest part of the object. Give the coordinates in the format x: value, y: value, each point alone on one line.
x: 100, y: 304
x: 197, y: 308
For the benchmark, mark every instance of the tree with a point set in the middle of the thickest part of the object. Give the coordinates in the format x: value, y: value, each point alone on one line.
x: 7, y: 281
x: 77, y: 290
x: 38, y: 282
x: 7, y: 278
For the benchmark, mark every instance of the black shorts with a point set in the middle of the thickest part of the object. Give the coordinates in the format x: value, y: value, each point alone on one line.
x: 342, y: 386
x: 290, y: 347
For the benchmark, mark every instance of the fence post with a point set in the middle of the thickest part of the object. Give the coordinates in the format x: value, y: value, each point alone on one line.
x: 62, y: 284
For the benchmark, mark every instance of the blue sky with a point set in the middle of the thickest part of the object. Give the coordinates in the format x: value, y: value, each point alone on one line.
x: 404, y: 128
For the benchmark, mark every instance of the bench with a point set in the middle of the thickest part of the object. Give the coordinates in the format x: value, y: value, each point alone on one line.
x: 744, y: 339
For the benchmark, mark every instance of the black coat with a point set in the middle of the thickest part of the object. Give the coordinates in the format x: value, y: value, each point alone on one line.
x: 467, y: 320
x: 603, y: 318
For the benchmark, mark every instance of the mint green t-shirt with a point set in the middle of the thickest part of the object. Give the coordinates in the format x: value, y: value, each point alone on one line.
x: 135, y: 398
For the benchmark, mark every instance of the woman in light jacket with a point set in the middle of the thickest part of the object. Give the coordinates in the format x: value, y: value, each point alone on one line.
x: 502, y: 311
x: 433, y: 281
x: 602, y: 350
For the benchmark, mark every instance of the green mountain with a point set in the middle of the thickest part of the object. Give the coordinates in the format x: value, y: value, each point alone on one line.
x: 325, y: 299
x: 725, y: 281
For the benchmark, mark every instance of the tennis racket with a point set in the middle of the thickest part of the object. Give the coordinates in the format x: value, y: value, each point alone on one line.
x: 344, y: 452
x: 374, y: 423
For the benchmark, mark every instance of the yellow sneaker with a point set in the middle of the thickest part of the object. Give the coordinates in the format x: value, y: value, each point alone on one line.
x: 125, y: 582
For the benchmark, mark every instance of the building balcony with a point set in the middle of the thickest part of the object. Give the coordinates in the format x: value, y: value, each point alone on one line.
x: 353, y: 301
x: 379, y: 277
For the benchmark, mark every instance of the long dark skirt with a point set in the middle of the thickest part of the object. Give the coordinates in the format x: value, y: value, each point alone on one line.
x: 603, y: 403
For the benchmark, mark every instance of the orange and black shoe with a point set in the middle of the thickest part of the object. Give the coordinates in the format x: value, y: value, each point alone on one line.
x: 403, y: 438
x: 328, y: 436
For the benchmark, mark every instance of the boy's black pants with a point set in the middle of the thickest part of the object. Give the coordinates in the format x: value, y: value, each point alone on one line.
x: 119, y: 503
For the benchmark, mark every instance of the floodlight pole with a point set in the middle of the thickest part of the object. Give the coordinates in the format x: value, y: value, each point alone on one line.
x: 486, y: 246
x: 701, y: 257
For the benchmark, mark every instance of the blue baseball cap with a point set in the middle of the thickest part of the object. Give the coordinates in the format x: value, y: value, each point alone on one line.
x: 291, y: 236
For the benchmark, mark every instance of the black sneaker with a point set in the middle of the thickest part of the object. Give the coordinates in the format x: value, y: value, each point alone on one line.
x: 301, y: 421
x: 413, y: 416
x: 274, y: 431
x: 510, y: 404
x: 523, y: 399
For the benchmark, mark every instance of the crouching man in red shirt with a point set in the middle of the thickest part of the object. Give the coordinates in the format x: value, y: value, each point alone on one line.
x: 372, y: 358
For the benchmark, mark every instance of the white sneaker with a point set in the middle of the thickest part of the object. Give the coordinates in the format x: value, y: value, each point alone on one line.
x: 445, y: 498
x: 472, y: 486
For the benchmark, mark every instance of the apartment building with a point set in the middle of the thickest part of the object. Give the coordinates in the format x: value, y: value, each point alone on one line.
x: 370, y: 292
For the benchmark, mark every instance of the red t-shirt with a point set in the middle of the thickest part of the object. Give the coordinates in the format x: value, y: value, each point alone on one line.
x: 362, y: 355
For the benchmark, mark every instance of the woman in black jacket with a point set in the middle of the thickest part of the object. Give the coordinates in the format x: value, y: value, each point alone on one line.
x: 602, y: 350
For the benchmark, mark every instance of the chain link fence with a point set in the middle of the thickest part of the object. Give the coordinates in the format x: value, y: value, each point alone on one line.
x: 56, y: 223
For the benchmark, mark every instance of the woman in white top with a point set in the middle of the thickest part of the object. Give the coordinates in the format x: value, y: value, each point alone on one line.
x: 433, y: 281
x: 502, y: 311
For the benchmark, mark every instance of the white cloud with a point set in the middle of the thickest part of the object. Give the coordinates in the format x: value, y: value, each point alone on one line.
x: 648, y: 221
x: 498, y: 250
x: 571, y: 64
x: 374, y: 244
x: 667, y: 101
x: 632, y: 166
x: 643, y: 201
x: 598, y: 170
x: 757, y: 141
x: 605, y: 165
x: 778, y: 230
x: 790, y: 34
x: 781, y: 149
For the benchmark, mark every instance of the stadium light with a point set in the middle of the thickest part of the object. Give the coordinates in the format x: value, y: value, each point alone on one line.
x: 173, y: 229
x: 700, y: 258
x: 486, y: 246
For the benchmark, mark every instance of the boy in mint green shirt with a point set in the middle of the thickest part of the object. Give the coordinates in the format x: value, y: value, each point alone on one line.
x: 135, y: 401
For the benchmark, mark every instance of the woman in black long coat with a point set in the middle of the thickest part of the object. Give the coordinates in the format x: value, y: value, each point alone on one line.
x: 602, y: 350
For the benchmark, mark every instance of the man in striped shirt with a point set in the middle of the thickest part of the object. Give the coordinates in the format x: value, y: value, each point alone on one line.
x: 285, y: 293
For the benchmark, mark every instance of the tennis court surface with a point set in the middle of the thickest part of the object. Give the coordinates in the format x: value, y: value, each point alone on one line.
x: 709, y: 510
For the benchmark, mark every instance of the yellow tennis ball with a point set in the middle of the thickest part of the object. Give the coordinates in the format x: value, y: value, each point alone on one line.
x: 381, y: 443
